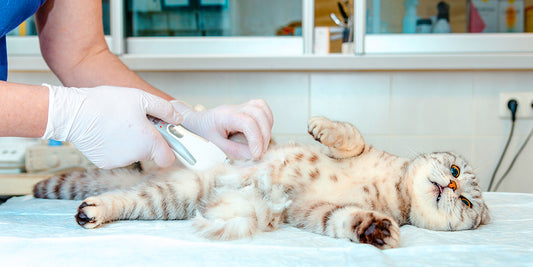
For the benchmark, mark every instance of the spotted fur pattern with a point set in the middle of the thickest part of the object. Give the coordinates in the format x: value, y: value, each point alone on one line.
x: 343, y: 188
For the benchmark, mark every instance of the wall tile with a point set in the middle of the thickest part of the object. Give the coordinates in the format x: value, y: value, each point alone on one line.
x: 34, y: 78
x: 361, y: 98
x: 381, y: 142
x: 487, y: 152
x: 209, y: 89
x: 431, y: 103
x: 305, y: 139
x: 411, y: 146
x: 286, y: 93
x: 487, y: 89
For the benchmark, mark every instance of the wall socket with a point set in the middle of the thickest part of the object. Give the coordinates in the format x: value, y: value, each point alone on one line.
x: 525, y: 99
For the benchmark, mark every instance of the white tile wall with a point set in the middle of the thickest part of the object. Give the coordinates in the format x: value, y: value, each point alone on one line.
x: 359, y: 98
x: 403, y: 112
x: 212, y: 91
x: 487, y: 87
x: 35, y: 78
x: 410, y: 146
x: 431, y: 103
x: 487, y: 151
x: 286, y: 93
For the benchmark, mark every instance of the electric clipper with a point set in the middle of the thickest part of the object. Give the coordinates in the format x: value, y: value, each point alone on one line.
x: 192, y: 150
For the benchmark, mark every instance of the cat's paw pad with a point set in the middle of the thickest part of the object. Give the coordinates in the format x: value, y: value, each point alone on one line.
x: 321, y: 129
x: 380, y: 232
x: 89, y: 213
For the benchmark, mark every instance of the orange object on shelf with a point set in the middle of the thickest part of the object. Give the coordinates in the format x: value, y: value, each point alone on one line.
x: 528, y: 19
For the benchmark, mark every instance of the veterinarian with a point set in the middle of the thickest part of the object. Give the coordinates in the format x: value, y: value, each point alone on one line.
x: 99, y: 111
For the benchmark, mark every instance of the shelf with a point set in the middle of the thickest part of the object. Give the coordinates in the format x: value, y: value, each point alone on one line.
x: 500, y: 61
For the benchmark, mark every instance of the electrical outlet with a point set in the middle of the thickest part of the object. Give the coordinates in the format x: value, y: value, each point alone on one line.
x: 524, y: 99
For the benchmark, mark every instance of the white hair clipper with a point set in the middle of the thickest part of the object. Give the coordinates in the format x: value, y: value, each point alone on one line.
x: 192, y: 150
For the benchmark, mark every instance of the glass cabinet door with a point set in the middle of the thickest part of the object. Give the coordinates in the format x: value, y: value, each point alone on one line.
x: 432, y: 26
x: 23, y: 39
x: 214, y: 18
x: 437, y: 16
x: 226, y: 26
x: 26, y: 28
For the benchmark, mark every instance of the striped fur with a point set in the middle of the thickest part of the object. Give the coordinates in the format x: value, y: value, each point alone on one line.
x: 342, y: 189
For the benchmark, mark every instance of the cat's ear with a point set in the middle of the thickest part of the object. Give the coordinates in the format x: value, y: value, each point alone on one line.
x: 485, y: 214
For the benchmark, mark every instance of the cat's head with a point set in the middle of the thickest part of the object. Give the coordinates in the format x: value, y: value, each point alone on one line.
x: 445, y: 194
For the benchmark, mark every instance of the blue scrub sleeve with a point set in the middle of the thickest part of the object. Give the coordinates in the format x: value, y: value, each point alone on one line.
x: 12, y: 14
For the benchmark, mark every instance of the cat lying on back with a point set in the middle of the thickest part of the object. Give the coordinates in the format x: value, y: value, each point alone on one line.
x: 344, y: 189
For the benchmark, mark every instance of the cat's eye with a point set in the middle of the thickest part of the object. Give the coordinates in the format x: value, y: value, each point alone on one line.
x: 466, y: 201
x: 455, y: 171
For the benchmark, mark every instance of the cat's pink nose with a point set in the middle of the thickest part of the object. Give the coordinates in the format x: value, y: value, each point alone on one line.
x: 452, y: 185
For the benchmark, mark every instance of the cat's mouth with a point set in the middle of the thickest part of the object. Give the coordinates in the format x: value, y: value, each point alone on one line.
x: 439, y: 189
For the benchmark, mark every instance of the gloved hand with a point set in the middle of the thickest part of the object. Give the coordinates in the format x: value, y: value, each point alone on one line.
x: 253, y: 119
x: 109, y: 125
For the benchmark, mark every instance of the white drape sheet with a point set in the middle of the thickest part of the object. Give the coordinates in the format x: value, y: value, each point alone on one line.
x: 40, y: 232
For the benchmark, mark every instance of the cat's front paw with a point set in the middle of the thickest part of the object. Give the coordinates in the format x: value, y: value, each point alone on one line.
x: 379, y: 231
x: 342, y: 139
x: 321, y: 129
x: 90, y: 213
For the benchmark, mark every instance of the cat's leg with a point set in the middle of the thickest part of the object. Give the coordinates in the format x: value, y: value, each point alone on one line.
x: 80, y: 185
x: 162, y: 199
x: 345, y: 221
x: 342, y: 139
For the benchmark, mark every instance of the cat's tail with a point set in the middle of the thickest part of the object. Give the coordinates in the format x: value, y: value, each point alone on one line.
x: 230, y: 229
x: 80, y: 185
x: 237, y: 214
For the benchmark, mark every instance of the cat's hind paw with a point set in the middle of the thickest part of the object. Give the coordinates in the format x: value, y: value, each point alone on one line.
x: 89, y: 213
x: 380, y: 232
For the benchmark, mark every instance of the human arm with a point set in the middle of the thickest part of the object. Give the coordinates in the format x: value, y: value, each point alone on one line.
x: 73, y: 45
x: 110, y: 133
x: 23, y: 109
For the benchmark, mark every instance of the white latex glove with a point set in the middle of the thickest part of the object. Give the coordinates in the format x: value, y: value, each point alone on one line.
x: 109, y: 125
x: 253, y: 119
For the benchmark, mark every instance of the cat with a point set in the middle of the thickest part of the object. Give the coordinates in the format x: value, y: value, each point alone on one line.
x: 343, y: 188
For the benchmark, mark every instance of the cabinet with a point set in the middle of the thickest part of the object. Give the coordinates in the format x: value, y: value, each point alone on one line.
x: 177, y: 37
x: 477, y: 26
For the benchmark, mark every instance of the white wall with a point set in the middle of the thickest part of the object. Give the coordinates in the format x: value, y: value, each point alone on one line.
x: 402, y: 112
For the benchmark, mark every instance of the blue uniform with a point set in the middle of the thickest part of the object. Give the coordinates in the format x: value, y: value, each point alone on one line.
x: 13, y: 13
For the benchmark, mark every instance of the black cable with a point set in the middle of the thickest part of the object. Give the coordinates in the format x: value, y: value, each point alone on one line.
x: 512, y: 105
x: 514, y: 160
x: 503, y: 155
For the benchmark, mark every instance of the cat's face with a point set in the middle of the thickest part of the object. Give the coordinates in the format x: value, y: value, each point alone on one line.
x: 445, y: 194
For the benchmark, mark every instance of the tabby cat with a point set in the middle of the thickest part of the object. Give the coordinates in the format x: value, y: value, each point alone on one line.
x: 344, y: 188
